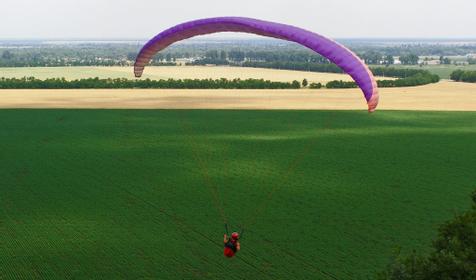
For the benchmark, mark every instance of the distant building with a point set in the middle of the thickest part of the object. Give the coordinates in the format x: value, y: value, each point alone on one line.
x: 184, y: 61
x: 433, y: 62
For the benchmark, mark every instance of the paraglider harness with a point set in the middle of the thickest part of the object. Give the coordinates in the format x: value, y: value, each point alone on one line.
x: 230, y: 244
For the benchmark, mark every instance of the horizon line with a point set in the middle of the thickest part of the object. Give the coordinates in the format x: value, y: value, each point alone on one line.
x: 225, y: 38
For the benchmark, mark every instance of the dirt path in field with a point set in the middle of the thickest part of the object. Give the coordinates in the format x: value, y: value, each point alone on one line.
x: 444, y: 96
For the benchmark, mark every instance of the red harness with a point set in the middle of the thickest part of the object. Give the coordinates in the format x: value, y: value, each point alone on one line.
x: 230, y: 248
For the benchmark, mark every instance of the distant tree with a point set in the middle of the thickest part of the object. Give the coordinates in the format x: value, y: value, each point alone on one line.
x: 463, y: 76
x: 389, y: 60
x: 237, y: 56
x: 413, y: 59
x: 131, y: 55
x: 469, y: 77
x: 159, y: 57
x: 456, y: 75
x: 315, y: 85
x: 372, y: 57
x: 341, y: 84
x: 445, y: 60
x: 304, y: 66
x: 304, y: 83
x: 223, y: 55
x: 168, y: 57
x: 7, y: 55
x: 296, y: 84
x: 212, y: 54
x: 409, y: 59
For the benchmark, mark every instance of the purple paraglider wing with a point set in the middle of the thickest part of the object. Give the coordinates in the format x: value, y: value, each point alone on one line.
x: 335, y: 52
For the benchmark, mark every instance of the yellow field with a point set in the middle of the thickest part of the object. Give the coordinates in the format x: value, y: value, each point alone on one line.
x: 175, y: 72
x: 444, y: 96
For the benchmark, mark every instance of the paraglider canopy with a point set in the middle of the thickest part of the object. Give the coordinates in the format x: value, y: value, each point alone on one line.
x: 335, y: 52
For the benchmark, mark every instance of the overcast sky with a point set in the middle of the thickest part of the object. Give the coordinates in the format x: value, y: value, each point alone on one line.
x: 144, y: 18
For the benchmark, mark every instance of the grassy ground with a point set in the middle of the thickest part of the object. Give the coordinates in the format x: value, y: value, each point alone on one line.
x: 128, y: 194
x: 444, y: 71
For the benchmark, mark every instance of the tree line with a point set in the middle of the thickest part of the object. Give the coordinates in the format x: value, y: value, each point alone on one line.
x: 395, y: 72
x: 253, y: 57
x: 419, y: 79
x: 238, y: 56
x: 124, y: 54
x: 463, y: 76
x: 301, y: 66
x: 96, y: 83
x: 406, y: 78
x: 369, y: 55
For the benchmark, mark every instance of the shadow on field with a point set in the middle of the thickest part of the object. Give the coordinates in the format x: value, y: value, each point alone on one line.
x: 139, y: 193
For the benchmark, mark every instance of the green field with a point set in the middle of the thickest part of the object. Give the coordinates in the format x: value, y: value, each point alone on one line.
x: 128, y: 194
x: 444, y: 71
